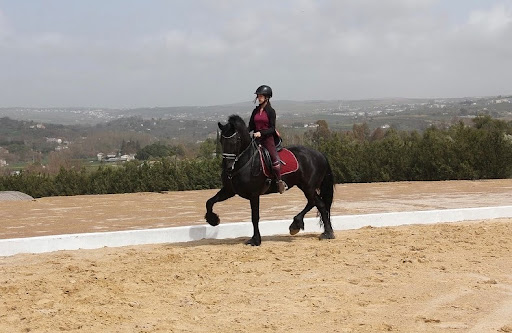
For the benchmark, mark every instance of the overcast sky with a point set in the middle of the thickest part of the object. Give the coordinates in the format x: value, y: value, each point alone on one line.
x: 127, y: 53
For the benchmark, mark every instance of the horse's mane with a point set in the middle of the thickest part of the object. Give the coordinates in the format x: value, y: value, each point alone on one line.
x: 239, y: 125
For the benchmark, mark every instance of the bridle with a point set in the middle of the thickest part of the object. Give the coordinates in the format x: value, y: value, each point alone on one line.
x: 236, y: 136
x: 231, y: 156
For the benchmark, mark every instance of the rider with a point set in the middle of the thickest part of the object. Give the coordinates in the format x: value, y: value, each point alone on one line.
x: 263, y: 123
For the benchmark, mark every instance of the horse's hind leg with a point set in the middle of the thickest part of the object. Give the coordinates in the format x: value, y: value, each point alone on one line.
x: 325, y: 218
x: 298, y: 221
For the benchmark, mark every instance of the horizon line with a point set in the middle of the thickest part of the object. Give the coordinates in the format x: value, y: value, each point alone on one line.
x: 243, y: 102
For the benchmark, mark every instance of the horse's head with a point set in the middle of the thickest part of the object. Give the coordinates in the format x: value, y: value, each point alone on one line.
x: 234, y: 139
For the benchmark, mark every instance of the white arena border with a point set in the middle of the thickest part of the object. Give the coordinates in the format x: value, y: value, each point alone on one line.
x: 97, y: 240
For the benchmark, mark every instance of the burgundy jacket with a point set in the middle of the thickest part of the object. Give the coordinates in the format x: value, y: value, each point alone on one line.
x: 271, y: 113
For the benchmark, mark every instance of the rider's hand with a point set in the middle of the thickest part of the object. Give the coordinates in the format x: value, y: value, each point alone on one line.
x: 257, y: 135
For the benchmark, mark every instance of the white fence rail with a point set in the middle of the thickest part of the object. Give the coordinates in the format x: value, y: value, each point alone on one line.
x: 44, y: 244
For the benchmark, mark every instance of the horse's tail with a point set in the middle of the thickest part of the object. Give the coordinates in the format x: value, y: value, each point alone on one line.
x: 327, y: 188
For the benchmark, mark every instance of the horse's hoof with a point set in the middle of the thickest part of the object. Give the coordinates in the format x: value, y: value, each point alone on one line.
x: 253, y: 242
x: 212, y: 219
x: 297, y: 224
x: 329, y: 235
x: 294, y: 231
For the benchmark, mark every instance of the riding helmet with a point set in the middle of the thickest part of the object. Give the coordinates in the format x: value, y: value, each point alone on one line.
x: 264, y: 90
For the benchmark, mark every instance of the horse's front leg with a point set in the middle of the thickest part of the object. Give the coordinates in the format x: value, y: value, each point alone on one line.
x: 255, y: 215
x: 223, y: 194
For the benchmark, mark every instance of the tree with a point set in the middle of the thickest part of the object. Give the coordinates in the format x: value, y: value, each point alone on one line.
x: 159, y: 150
x: 378, y: 134
x: 208, y: 149
x: 319, y: 134
x: 62, y: 159
x: 361, y: 131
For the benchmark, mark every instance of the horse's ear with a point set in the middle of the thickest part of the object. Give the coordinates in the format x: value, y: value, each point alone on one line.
x: 223, y: 128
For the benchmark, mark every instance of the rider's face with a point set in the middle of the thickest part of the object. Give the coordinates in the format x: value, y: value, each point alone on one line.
x: 261, y: 99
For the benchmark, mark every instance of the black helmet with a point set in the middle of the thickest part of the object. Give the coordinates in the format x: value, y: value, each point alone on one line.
x: 264, y: 90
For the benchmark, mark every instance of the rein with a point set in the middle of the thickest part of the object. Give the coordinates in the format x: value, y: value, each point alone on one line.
x: 253, y: 143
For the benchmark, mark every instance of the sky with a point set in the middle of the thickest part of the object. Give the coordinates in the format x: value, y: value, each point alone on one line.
x: 134, y: 53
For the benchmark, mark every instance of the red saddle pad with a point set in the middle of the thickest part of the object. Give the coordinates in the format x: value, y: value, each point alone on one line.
x: 289, y: 165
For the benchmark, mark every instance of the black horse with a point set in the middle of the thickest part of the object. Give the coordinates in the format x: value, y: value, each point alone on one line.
x: 241, y: 174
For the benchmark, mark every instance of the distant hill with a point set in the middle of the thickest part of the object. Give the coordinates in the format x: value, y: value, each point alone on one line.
x: 82, y: 115
x: 31, y: 134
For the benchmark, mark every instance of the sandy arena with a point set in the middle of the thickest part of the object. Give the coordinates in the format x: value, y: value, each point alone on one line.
x: 437, y: 278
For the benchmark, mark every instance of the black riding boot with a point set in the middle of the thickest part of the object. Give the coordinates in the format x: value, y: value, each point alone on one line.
x: 276, y: 167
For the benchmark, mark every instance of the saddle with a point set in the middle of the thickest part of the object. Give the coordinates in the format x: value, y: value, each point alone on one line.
x: 288, y: 160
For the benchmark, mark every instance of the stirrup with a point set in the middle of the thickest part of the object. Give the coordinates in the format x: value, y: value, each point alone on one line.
x: 281, y: 186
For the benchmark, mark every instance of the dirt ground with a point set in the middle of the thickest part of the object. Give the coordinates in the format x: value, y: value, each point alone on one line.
x: 93, y: 213
x: 428, y: 278
x: 435, y: 278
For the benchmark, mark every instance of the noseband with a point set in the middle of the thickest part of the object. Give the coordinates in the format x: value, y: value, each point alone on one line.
x: 230, y: 156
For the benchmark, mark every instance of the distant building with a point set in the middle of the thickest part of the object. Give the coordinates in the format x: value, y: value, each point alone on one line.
x: 115, y: 158
x: 500, y: 101
x: 3, y: 163
x: 129, y: 157
x: 56, y: 140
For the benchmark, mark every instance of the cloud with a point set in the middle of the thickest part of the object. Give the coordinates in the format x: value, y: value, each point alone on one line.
x: 484, y: 35
x: 49, y: 40
x: 10, y: 39
x: 306, y: 49
x: 4, y: 28
x: 495, y: 20
x: 194, y: 45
